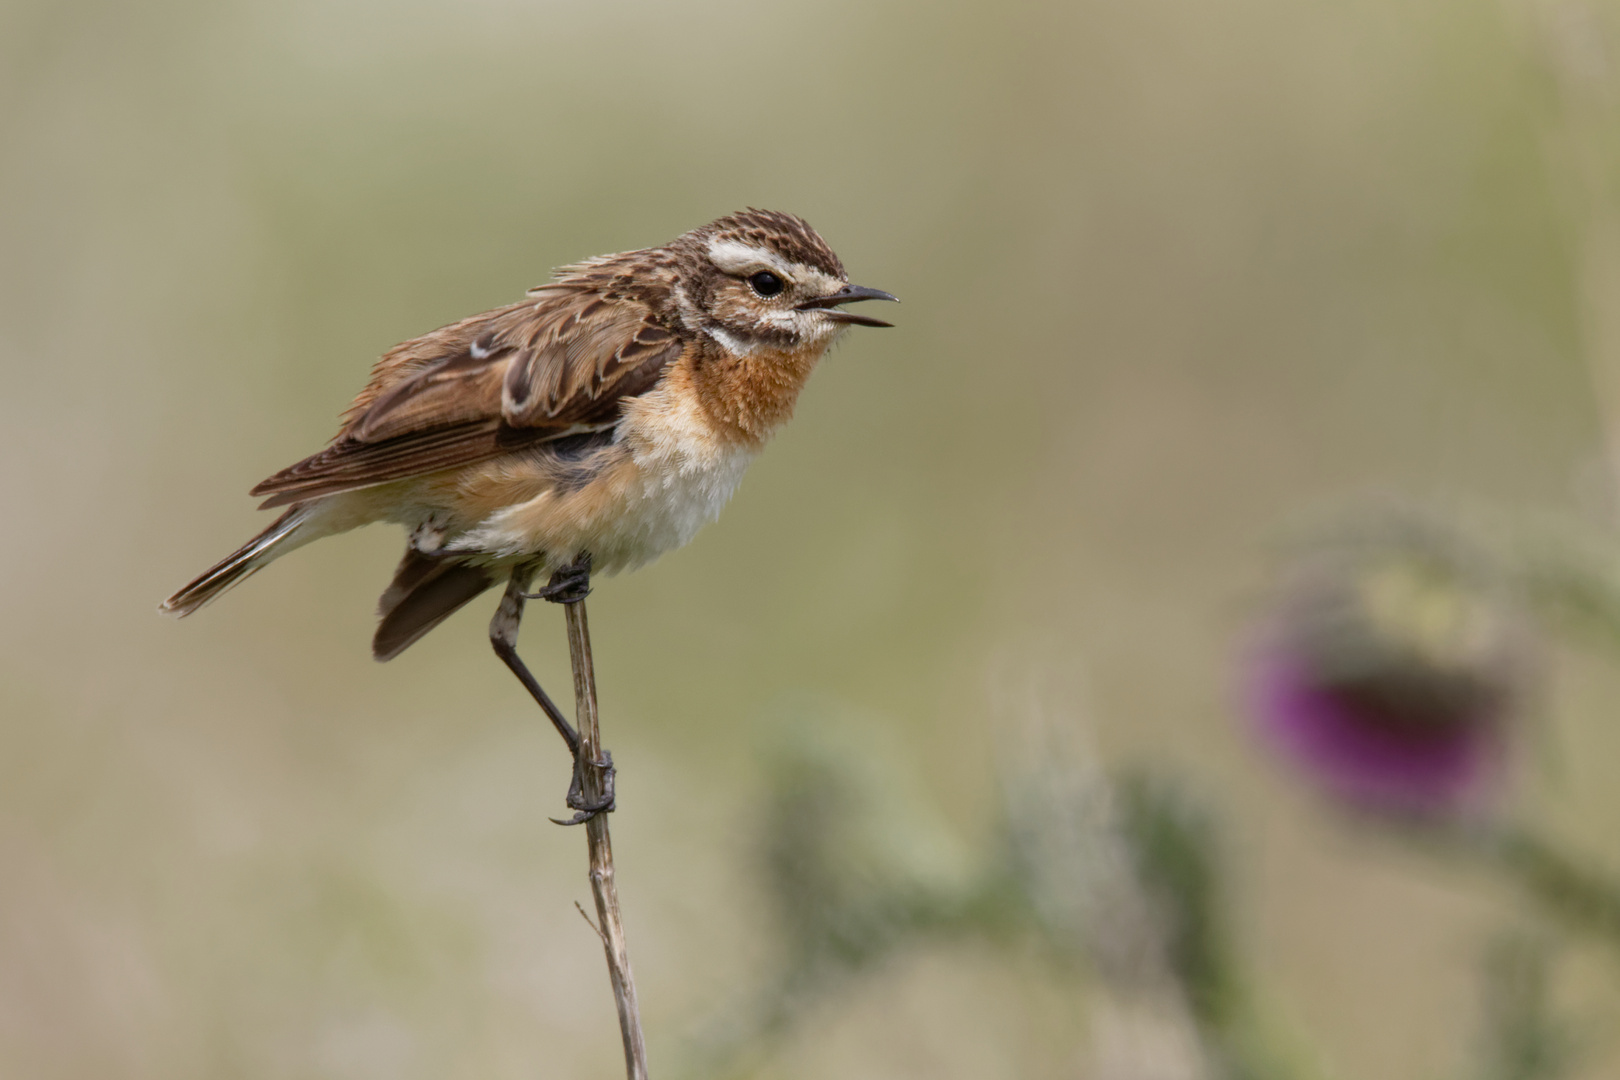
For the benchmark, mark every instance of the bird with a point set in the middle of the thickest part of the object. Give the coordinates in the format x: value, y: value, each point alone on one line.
x: 588, y: 428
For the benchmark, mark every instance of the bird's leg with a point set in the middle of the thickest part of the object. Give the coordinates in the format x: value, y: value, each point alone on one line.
x: 503, y: 632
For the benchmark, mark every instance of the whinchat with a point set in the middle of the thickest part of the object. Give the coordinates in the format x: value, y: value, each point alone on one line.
x: 594, y: 425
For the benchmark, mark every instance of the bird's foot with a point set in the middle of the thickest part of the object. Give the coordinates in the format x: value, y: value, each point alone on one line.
x: 588, y: 808
x: 568, y: 585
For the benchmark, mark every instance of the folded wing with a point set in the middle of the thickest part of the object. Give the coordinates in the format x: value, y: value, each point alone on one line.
x: 555, y: 365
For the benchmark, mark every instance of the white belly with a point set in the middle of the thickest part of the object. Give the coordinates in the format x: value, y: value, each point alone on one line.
x: 676, y: 496
x: 671, y: 478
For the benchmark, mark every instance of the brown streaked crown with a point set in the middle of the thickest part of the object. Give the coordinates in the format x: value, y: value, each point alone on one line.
x: 789, y: 235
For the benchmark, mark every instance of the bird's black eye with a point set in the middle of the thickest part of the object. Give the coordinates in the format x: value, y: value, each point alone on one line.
x: 765, y: 283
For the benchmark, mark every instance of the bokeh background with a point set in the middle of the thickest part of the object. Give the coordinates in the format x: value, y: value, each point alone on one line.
x: 1176, y: 276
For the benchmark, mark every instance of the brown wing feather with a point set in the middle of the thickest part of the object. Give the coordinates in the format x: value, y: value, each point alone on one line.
x: 458, y: 391
x: 586, y: 358
x: 552, y: 366
x: 349, y: 464
x: 401, y: 364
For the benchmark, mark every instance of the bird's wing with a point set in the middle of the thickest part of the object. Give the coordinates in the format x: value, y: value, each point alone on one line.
x: 554, y: 365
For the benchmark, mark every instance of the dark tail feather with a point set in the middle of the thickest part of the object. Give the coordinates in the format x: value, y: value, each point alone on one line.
x: 236, y: 566
x: 425, y: 591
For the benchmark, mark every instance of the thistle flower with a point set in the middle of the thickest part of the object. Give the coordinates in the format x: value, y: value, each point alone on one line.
x: 1390, y: 672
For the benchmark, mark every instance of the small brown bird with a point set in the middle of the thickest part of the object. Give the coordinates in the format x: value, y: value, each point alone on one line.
x: 594, y: 425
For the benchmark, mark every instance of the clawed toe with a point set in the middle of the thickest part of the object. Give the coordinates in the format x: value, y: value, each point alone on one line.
x: 588, y: 809
x: 568, y: 585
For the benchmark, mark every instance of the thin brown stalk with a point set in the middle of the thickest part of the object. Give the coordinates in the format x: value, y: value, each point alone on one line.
x: 600, y: 844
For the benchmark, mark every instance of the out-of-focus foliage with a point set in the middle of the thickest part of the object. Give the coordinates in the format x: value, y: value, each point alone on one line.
x: 1520, y: 1039
x: 1396, y: 665
x: 1114, y: 885
x: 1119, y: 883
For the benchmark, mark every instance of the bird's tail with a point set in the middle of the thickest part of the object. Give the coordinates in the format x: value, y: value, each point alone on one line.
x: 289, y: 531
x: 426, y: 590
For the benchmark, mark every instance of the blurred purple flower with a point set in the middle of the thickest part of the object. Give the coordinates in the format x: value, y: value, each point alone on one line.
x: 1390, y: 672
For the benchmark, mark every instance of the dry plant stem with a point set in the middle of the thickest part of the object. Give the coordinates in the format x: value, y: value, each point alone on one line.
x: 600, y: 843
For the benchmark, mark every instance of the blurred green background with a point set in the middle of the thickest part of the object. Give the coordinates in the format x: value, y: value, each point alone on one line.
x: 1174, y: 274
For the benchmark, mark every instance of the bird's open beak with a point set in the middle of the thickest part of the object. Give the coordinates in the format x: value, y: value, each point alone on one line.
x: 844, y: 296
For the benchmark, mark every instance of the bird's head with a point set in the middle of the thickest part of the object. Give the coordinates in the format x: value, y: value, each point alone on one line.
x: 762, y: 279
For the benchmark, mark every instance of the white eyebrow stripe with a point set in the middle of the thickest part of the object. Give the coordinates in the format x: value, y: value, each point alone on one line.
x: 734, y: 256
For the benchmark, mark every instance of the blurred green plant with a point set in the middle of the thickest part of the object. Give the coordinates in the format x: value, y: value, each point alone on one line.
x: 1115, y: 882
x: 1521, y: 1038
